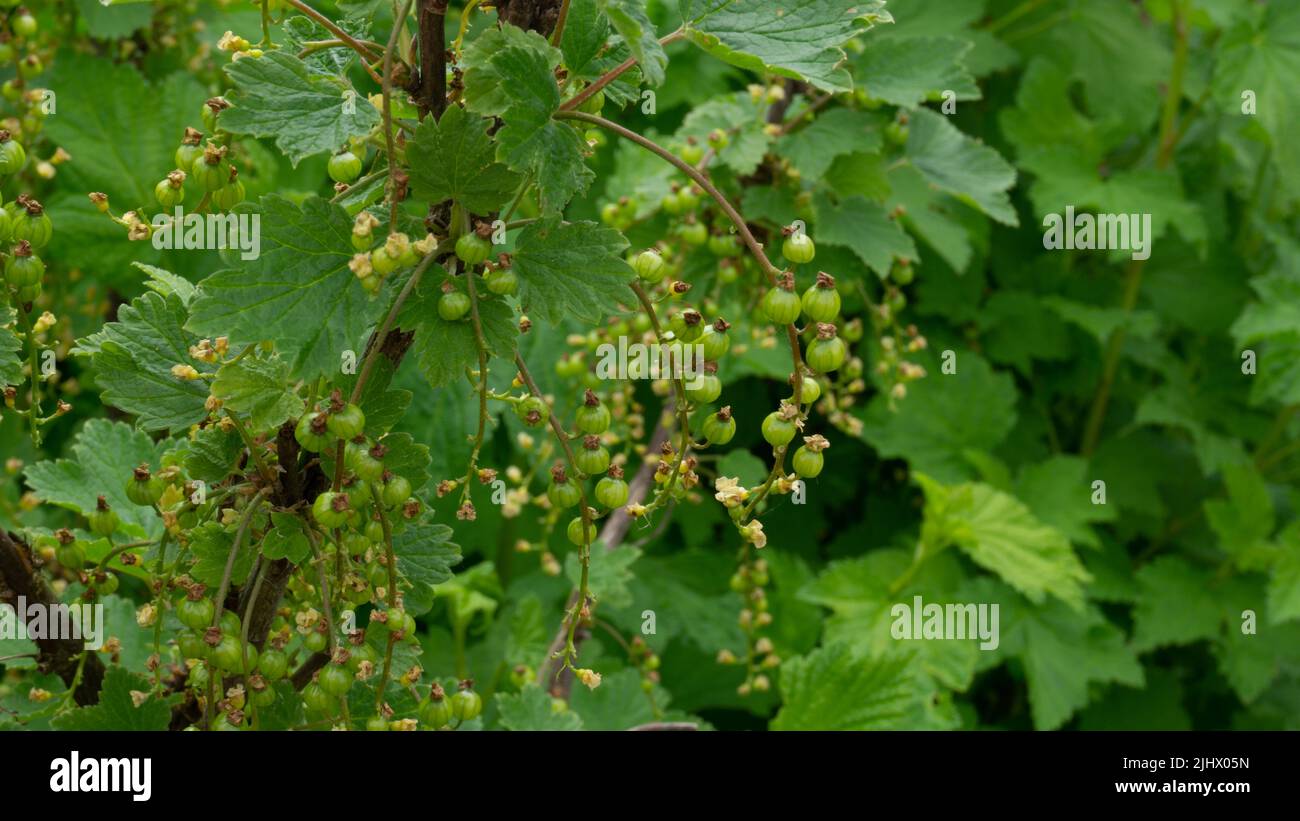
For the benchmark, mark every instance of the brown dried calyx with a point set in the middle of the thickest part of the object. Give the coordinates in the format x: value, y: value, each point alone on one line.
x: 825, y: 280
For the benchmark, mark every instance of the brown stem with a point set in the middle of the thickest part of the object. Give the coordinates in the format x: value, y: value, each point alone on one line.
x: 433, y: 56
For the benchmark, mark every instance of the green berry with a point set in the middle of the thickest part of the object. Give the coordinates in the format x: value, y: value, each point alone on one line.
x: 502, y: 281
x: 344, y: 167
x: 347, y: 423
x: 453, y: 306
x: 807, y: 463
x: 575, y: 531
x: 821, y: 302
x: 195, y: 614
x: 312, y: 432
x: 532, y: 411
x: 611, y: 492
x: 778, y: 430
x: 799, y: 248
x: 720, y: 427
x: 781, y: 306
x: 650, y: 266
x: 472, y: 248
x: 331, y: 509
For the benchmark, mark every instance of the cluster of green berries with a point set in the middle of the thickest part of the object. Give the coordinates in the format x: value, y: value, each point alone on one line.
x: 372, y: 264
x: 473, y: 249
x: 23, y: 29
x: 24, y: 223
x: 207, y: 167
x: 750, y: 582
x: 438, y: 709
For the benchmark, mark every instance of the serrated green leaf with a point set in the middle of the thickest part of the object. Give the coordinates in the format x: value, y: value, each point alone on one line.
x: 258, y: 387
x: 299, y: 293
x: 571, y: 269
x: 443, y: 350
x: 532, y: 709
x: 11, y: 365
x: 212, y: 453
x: 133, y: 358
x: 832, y: 134
x: 210, y: 545
x: 834, y: 689
x: 618, y: 703
x: 961, y: 166
x: 454, y: 159
x: 103, y: 455
x: 1000, y: 534
x: 608, y: 575
x: 801, y: 39
x: 906, y: 71
x: 278, y: 96
x: 866, y: 229
x: 630, y: 20
x: 1175, y: 604
x: 286, y: 539
x: 425, y: 553
x: 116, y: 709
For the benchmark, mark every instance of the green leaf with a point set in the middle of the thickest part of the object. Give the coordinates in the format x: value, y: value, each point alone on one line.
x: 258, y: 387
x: 944, y: 415
x: 532, y: 709
x: 116, y: 709
x: 212, y: 453
x: 742, y: 119
x: 585, y: 31
x: 103, y: 455
x: 1175, y: 605
x: 617, y: 704
x: 801, y: 39
x: 11, y: 364
x: 166, y: 283
x: 832, y: 134
x: 961, y: 166
x: 286, y: 539
x: 299, y: 293
x: 906, y: 71
x: 608, y: 575
x: 1063, y: 652
x: 866, y: 229
x: 530, y: 142
x: 1001, y: 535
x: 834, y: 689
x: 574, y: 269
x: 133, y: 358
x: 1059, y: 492
x: 276, y: 95
x: 1263, y: 56
x: 210, y: 545
x: 425, y: 553
x: 454, y: 159
x: 743, y: 465
x: 487, y: 86
x: 443, y: 350
x: 630, y: 20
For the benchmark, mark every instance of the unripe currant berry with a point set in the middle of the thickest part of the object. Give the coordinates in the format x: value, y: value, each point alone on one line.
x: 466, y: 704
x: 705, y: 388
x: 692, y: 152
x: 170, y: 191
x: 593, y: 416
x: 781, y: 304
x: 436, y: 712
x: 575, y: 531
x: 12, y: 155
x: 316, y: 699
x: 821, y: 302
x: 687, y: 325
x: 532, y: 411
x: 902, y: 272
x: 31, y: 223
x: 612, y: 491
x: 315, y: 641
x: 453, y: 306
x: 210, y: 170
x: 716, y: 342
x: 592, y: 458
x: 720, y: 427
x: 798, y: 247
x: 779, y: 426
x: 195, y: 611
x: 24, y: 24
x: 347, y: 422
x: 826, y: 353
x: 397, y: 489
x: 189, y: 150
x: 693, y: 232
x: 210, y: 110
x: 502, y: 281
x: 233, y: 657
x: 724, y: 245
x: 594, y: 103
x: 649, y: 266
x: 810, y: 391
x: 344, y: 167
x: 230, y: 195
x: 562, y: 492
x: 806, y: 461
x: 273, y: 664
x: 24, y: 268
x: 365, y: 461
x: 331, y: 509
x: 104, y: 583
x: 336, y: 679
x: 192, y: 646
x: 897, y: 131
x: 474, y: 248
x: 312, y: 432
x: 71, y: 555
x: 103, y: 520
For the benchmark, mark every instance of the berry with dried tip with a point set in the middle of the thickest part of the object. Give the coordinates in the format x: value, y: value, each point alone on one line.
x: 826, y: 353
x: 592, y: 458
x: 593, y: 416
x: 650, y: 266
x: 453, y: 306
x: 474, y: 248
x: 821, y: 302
x: 720, y: 427
x: 344, y: 167
x: 781, y: 304
x: 103, y: 519
x: 532, y: 411
x: 12, y: 154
